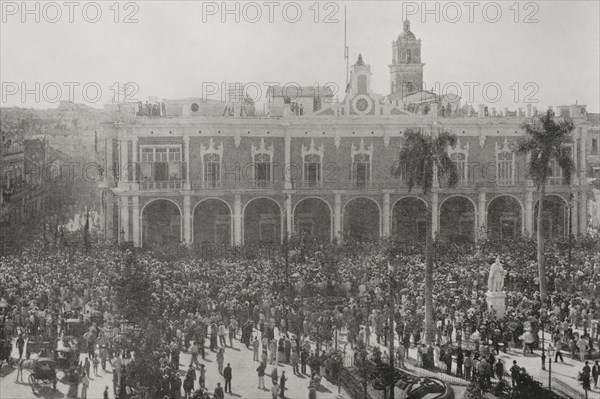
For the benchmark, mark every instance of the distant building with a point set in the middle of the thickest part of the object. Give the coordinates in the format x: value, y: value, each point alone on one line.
x: 323, y: 173
x: 28, y: 169
x: 593, y: 172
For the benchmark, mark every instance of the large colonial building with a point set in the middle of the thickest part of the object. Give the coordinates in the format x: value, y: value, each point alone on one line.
x: 320, y: 169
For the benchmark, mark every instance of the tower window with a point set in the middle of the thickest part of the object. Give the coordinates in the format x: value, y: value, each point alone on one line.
x: 362, y: 84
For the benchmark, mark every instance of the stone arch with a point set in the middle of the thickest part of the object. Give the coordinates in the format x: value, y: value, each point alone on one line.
x: 212, y: 221
x: 312, y: 219
x: 555, y: 219
x: 409, y: 217
x: 262, y: 221
x: 458, y: 218
x: 361, y: 220
x: 505, y: 217
x: 164, y: 225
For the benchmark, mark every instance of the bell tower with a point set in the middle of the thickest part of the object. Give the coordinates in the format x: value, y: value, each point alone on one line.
x: 406, y: 69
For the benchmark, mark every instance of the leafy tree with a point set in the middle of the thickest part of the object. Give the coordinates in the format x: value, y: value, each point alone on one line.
x: 367, y: 369
x: 134, y: 299
x: 528, y: 388
x: 546, y: 142
x: 421, y: 156
x: 474, y: 391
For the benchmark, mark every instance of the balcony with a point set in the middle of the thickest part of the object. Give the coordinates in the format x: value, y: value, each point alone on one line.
x: 307, y: 184
x: 557, y: 180
x: 208, y: 185
x: 505, y: 182
x: 161, y: 185
x: 236, y: 184
x: 345, y: 184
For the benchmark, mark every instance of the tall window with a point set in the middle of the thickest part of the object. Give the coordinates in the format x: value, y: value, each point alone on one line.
x: 361, y: 164
x: 312, y: 170
x: 460, y: 160
x: 312, y: 164
x: 362, y: 84
x: 505, y: 164
x: 262, y: 157
x: 459, y: 154
x: 161, y: 167
x: 556, y: 174
x: 212, y: 156
x: 504, y: 168
x: 262, y: 169
x: 361, y: 170
x: 212, y: 170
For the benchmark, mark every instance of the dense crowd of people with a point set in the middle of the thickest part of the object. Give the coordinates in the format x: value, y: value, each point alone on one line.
x: 281, y: 305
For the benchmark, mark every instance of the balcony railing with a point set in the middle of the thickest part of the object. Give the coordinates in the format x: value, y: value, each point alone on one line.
x: 161, y: 185
x: 555, y: 180
x: 345, y: 184
x: 234, y: 184
x: 307, y: 184
x: 505, y: 182
x: 208, y: 185
x: 331, y: 184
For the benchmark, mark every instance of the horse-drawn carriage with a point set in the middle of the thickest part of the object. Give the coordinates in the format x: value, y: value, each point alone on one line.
x: 66, y: 358
x: 44, y: 371
x: 37, y: 344
x: 73, y: 330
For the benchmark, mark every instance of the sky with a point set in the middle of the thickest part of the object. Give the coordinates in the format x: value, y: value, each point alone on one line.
x: 509, y: 53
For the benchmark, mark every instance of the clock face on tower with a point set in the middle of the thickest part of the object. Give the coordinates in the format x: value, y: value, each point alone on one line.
x: 362, y: 105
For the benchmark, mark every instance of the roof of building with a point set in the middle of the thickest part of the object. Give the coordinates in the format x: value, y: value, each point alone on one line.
x: 300, y: 91
x: 594, y: 118
x: 359, y: 61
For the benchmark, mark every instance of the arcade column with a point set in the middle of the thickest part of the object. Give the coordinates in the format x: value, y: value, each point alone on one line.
x: 186, y: 151
x: 187, y: 220
x: 529, y: 213
x: 288, y: 215
x: 237, y: 220
x: 124, y: 219
x: 434, y: 214
x: 123, y: 168
x: 482, y: 217
x: 583, y: 213
x: 386, y: 215
x: 136, y: 220
x: 337, y: 218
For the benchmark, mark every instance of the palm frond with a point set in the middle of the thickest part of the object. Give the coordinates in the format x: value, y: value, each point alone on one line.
x: 566, y: 164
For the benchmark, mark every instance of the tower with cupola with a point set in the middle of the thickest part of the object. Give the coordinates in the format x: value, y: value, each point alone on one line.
x: 406, y: 69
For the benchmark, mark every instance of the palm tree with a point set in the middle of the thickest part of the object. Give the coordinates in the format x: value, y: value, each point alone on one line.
x: 417, y: 162
x: 546, y: 142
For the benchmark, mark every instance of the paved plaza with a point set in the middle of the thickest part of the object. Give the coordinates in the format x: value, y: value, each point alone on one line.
x: 244, y: 381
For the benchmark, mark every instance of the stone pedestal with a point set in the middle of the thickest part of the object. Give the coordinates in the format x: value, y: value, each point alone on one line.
x: 498, y: 301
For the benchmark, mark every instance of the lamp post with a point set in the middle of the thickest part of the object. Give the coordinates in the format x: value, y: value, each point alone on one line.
x: 542, y: 327
x: 570, y: 226
x: 391, y: 271
x: 550, y: 354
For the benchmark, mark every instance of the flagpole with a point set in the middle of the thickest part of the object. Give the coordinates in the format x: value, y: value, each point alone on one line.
x: 346, y: 49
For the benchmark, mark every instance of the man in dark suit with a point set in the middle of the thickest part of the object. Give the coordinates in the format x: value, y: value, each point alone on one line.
x: 218, y: 394
x: 303, y: 361
x: 227, y: 376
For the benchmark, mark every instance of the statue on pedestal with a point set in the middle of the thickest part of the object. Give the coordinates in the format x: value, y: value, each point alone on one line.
x: 496, y: 277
